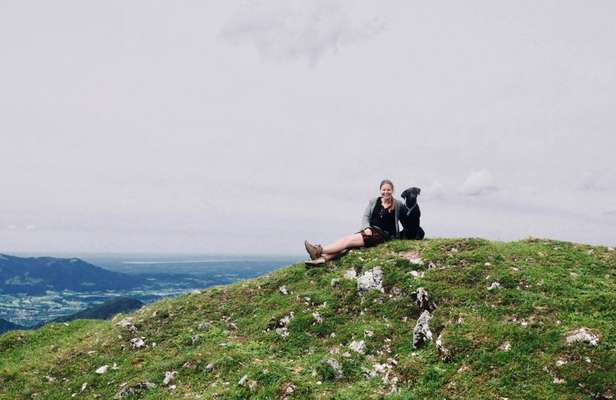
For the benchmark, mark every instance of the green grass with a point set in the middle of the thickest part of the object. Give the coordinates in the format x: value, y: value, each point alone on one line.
x: 547, y: 289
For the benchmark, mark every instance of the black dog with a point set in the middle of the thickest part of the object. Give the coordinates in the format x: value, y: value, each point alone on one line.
x: 410, y: 221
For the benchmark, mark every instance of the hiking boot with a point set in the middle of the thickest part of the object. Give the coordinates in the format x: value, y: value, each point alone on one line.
x: 315, y: 263
x: 313, y: 251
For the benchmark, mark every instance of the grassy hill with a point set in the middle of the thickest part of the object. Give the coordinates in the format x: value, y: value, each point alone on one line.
x: 503, y: 314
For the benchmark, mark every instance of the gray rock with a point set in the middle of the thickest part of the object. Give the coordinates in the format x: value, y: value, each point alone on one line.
x: 128, y: 325
x: 284, y: 331
x: 505, y: 346
x: 443, y: 352
x: 134, y: 390
x: 422, y: 332
x: 416, y: 274
x: 282, y: 323
x: 422, y: 299
x: 358, y: 346
x: 317, y: 317
x: 102, y: 370
x: 582, y: 335
x: 371, y: 280
x: 169, y: 377
x: 137, y: 343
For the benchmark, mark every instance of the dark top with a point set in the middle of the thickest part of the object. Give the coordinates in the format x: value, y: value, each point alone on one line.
x: 383, y: 218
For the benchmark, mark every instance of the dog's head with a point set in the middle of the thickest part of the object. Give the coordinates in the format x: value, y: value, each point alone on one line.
x: 410, y: 196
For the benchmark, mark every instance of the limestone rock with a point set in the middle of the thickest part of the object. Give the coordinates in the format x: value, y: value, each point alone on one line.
x: 128, y: 325
x: 283, y: 290
x: 422, y: 332
x: 137, y: 343
x: 422, y: 299
x: 102, y: 370
x: 371, y: 280
x: 281, y: 326
x: 169, y: 377
x: 384, y: 371
x: 416, y: 274
x: 134, y: 390
x: 317, y: 317
x: 494, y: 286
x: 443, y: 352
x: 358, y: 346
x: 582, y: 335
x: 505, y: 346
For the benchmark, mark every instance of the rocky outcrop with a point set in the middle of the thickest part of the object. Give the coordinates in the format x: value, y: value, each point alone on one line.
x: 422, y: 332
x: 371, y: 280
x: 422, y: 299
x: 280, y: 325
x: 582, y: 335
x: 136, y: 389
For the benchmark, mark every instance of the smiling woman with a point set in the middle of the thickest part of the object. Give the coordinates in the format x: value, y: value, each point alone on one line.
x: 379, y: 223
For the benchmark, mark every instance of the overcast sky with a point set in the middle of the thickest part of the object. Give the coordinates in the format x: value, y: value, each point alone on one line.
x: 249, y: 126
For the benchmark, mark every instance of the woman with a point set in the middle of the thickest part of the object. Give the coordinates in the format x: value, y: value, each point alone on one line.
x: 379, y: 223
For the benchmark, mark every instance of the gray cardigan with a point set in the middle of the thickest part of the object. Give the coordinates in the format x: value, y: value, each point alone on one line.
x: 400, y: 209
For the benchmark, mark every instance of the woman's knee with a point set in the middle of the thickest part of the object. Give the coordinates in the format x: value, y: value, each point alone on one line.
x: 355, y: 240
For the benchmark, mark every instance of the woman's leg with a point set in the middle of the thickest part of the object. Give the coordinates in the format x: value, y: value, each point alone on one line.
x: 346, y: 242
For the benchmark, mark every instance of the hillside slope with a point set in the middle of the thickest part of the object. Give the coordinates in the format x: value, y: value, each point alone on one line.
x: 105, y: 310
x: 507, y: 316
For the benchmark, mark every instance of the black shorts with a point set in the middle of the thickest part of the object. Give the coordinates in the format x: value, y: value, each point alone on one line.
x: 378, y: 236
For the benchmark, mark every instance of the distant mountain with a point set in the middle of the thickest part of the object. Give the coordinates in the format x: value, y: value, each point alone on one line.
x: 8, y: 326
x: 104, y: 311
x: 36, y: 275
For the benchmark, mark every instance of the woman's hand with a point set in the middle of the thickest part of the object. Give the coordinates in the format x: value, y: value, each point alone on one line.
x: 368, y: 231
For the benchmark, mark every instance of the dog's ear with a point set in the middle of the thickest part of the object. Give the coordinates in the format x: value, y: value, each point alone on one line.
x: 416, y: 191
x: 405, y: 194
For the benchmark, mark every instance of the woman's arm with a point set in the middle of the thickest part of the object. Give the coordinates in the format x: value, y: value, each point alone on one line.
x: 365, y: 219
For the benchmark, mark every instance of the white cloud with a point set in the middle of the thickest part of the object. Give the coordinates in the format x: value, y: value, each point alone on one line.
x: 597, y: 181
x: 478, y: 183
x: 435, y: 191
x: 283, y: 30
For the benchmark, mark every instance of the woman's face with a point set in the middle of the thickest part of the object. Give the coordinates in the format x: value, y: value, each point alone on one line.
x: 386, y: 191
